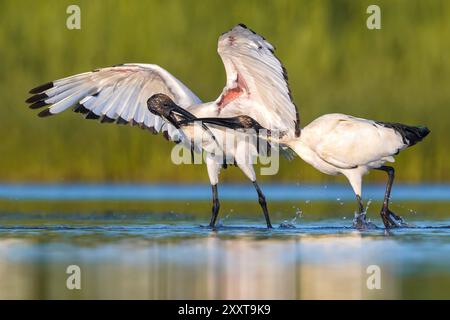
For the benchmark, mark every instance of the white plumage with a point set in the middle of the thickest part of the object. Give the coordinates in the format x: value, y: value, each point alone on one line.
x: 261, y: 80
x: 342, y: 144
x: 115, y: 94
x: 256, y: 86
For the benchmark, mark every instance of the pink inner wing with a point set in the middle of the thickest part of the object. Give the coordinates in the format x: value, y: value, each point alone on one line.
x: 229, y: 96
x: 234, y: 93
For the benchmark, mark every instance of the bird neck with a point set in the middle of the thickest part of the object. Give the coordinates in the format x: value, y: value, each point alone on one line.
x: 299, y: 146
x: 204, y: 110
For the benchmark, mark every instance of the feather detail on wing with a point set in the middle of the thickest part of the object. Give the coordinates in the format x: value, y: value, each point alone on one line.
x: 115, y: 94
x: 257, y: 83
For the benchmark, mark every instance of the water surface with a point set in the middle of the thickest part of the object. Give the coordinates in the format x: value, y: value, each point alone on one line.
x: 145, y: 247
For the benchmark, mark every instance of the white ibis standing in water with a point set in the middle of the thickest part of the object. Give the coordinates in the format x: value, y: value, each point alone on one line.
x: 150, y: 97
x: 341, y: 144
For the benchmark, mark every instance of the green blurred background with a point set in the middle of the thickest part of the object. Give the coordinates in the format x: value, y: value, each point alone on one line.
x: 400, y: 73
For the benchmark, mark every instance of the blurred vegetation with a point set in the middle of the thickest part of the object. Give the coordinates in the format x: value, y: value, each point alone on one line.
x: 400, y: 73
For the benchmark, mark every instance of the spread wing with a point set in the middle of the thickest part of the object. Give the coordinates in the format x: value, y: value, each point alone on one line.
x: 257, y: 84
x: 116, y: 94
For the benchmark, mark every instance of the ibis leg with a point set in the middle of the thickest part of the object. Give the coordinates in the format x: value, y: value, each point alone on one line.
x: 390, y: 219
x: 360, y: 222
x: 262, y: 202
x: 360, y: 204
x: 215, y: 207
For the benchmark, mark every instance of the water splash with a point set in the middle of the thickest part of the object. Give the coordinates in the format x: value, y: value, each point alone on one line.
x: 369, y: 202
x: 410, y: 210
x: 360, y: 220
x: 222, y: 220
x: 291, y: 224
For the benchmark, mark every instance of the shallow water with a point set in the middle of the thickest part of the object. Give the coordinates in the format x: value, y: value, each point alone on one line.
x: 276, y: 192
x: 160, y: 249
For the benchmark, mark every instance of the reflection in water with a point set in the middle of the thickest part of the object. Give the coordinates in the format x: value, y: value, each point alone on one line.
x: 157, y: 250
x: 232, y: 263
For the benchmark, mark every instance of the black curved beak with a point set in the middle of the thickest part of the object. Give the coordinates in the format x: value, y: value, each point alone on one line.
x: 182, y: 113
x: 238, y: 122
x: 171, y: 112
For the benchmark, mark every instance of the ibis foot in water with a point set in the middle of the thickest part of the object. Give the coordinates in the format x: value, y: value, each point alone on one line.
x: 361, y: 223
x: 391, y: 220
x: 208, y: 226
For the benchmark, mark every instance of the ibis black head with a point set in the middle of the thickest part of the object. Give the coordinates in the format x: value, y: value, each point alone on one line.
x: 161, y: 104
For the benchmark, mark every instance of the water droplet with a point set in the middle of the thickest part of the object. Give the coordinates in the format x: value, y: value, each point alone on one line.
x: 369, y: 202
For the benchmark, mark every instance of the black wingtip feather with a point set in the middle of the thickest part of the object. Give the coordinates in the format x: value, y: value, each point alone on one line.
x: 41, y: 88
x: 38, y: 105
x: 121, y: 120
x: 36, y: 97
x: 45, y: 113
x: 106, y: 119
x: 424, y: 131
x: 92, y: 115
x: 79, y: 108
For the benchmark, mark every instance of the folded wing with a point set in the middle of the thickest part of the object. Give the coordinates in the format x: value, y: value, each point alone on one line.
x: 347, y: 142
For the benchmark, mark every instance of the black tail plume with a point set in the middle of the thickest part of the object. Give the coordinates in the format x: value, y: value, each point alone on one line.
x: 411, y: 135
